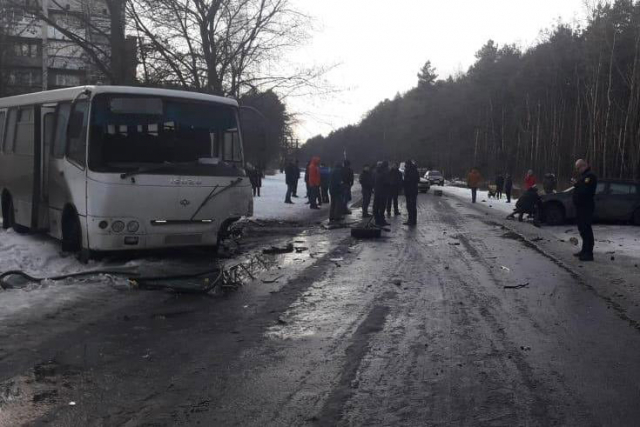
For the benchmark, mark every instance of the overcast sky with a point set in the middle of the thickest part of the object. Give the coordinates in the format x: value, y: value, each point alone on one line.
x: 379, y: 46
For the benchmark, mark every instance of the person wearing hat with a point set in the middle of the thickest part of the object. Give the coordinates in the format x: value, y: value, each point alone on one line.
x: 583, y: 199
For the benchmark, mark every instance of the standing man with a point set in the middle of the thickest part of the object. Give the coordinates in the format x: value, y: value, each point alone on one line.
x: 411, y: 180
x: 336, y: 191
x: 583, y: 193
x: 366, y: 181
x: 473, y: 182
x: 297, y: 176
x: 314, y: 182
x: 395, y: 185
x: 380, y: 192
x: 499, y: 186
x: 348, y: 179
x: 290, y: 178
x: 508, y: 186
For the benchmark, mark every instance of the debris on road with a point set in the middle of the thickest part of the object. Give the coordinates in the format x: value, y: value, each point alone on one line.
x: 524, y: 285
x: 274, y: 280
x: 502, y: 267
x: 397, y: 282
x: 274, y: 250
x: 574, y: 241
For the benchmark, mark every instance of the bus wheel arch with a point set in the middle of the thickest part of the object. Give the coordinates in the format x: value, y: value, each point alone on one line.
x: 71, y: 230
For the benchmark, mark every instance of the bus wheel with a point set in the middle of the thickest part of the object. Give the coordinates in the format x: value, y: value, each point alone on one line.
x: 71, y: 233
x: 9, y: 217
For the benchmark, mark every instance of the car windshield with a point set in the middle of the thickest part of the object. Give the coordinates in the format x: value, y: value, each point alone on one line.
x: 163, y: 135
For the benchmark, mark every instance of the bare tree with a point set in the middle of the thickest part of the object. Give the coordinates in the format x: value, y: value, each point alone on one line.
x: 224, y: 47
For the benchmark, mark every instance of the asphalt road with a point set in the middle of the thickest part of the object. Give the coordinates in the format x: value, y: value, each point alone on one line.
x: 459, y: 322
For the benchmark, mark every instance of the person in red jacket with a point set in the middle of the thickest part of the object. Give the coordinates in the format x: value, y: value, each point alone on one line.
x: 529, y: 180
x: 314, y: 182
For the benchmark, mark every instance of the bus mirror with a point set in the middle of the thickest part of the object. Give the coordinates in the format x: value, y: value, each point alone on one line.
x: 76, y: 124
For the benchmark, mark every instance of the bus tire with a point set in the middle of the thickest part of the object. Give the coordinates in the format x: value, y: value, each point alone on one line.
x: 10, y: 214
x: 71, y: 232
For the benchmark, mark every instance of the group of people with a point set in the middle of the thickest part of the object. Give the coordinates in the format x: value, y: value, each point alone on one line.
x: 530, y: 202
x: 385, y: 184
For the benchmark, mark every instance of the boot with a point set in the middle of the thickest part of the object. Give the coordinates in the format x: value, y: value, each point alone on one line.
x: 586, y: 257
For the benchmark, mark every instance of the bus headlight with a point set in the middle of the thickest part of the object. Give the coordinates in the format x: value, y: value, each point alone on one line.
x: 117, y: 226
x: 133, y: 226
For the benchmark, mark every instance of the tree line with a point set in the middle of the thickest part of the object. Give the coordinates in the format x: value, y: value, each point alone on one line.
x: 575, y: 94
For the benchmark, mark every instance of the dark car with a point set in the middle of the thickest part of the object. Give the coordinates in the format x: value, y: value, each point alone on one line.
x: 435, y: 178
x: 615, y: 201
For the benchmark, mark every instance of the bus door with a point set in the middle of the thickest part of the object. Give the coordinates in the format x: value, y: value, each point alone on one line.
x: 47, y: 120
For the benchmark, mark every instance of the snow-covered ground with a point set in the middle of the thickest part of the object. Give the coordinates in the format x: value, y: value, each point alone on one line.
x: 271, y: 205
x: 614, y: 240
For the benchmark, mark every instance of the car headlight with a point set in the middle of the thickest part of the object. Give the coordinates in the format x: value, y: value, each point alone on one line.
x: 133, y: 226
x: 117, y: 226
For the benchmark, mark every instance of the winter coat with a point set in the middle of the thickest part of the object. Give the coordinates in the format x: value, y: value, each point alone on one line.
x: 325, y: 176
x: 528, y: 201
x: 584, y: 190
x: 395, y: 180
x: 366, y: 180
x: 529, y: 181
x: 474, y: 179
x: 347, y: 176
x: 381, y: 182
x: 508, y: 184
x: 336, y: 181
x: 411, y: 180
x: 291, y: 173
x: 500, y: 182
x: 314, y: 172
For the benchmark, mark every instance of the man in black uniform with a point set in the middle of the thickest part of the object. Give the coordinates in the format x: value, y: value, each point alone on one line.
x: 411, y: 180
x: 366, y: 181
x: 584, y: 190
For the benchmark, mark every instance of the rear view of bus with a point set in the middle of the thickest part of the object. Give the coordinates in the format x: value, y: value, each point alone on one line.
x: 132, y: 168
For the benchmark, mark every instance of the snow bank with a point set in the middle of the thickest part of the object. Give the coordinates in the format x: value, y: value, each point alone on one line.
x: 271, y: 205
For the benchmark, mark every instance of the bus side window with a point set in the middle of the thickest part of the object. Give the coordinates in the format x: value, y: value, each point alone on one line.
x: 77, y: 134
x: 24, y: 132
x: 10, y: 131
x: 60, y: 134
x: 2, y: 116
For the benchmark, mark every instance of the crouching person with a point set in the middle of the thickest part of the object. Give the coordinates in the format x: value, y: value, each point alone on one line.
x: 529, y: 203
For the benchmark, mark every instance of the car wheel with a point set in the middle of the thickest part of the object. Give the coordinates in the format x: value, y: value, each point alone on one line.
x: 554, y: 214
x: 636, y: 217
x: 71, y: 233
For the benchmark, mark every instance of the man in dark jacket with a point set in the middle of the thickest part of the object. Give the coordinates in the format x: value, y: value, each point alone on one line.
x: 499, y: 186
x: 395, y: 185
x: 366, y: 181
x: 348, y: 179
x: 336, y: 191
x: 380, y: 192
x: 325, y: 178
x: 297, y: 176
x: 508, y: 187
x: 411, y: 181
x: 583, y: 194
x: 529, y: 203
x: 290, y: 173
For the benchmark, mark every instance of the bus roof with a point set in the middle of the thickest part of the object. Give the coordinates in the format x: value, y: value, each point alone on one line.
x: 58, y: 95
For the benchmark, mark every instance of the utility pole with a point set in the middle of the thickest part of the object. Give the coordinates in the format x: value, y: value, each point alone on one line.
x: 44, y: 29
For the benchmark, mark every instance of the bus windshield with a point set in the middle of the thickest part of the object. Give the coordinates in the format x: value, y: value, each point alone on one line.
x: 163, y: 135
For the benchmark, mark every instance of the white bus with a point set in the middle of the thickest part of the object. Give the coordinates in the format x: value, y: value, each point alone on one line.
x: 109, y: 168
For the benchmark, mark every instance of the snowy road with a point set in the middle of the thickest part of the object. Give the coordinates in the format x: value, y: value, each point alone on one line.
x: 466, y: 320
